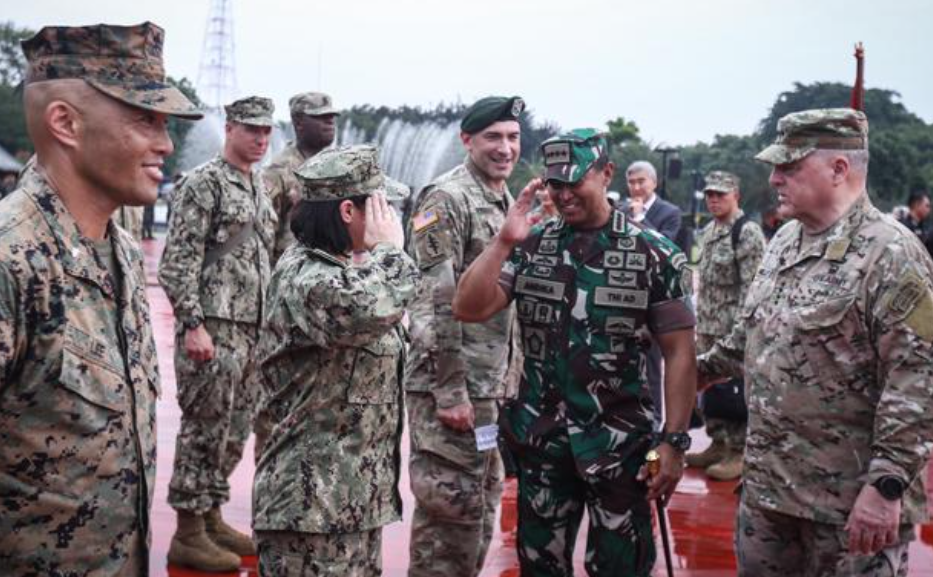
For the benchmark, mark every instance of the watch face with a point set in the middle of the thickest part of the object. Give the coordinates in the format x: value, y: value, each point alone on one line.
x: 679, y: 441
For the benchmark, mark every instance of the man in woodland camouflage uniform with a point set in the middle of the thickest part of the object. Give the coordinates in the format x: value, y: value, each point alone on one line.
x: 592, y: 291
x: 332, y: 363
x: 456, y: 374
x: 78, y: 370
x: 215, y: 270
x: 731, y: 246
x: 836, y: 335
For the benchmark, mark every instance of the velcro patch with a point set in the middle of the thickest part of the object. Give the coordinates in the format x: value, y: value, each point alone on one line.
x: 621, y: 298
x: 557, y: 153
x: 424, y: 219
x: 546, y: 289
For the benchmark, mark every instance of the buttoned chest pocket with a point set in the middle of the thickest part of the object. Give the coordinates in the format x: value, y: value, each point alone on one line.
x: 832, y: 339
x: 374, y: 378
x: 721, y: 268
x: 233, y: 213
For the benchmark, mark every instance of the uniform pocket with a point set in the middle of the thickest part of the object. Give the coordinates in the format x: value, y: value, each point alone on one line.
x: 832, y: 340
x: 374, y: 379
x: 95, y: 382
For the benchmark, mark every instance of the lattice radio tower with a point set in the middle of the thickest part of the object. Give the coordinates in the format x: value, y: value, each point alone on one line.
x: 217, y: 74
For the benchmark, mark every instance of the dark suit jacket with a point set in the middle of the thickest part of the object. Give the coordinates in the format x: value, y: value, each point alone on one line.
x: 664, y: 217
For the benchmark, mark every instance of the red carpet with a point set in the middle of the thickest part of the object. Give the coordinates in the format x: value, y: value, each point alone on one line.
x: 701, y: 513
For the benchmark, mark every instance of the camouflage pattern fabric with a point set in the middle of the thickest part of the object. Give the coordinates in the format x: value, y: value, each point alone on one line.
x: 218, y: 399
x: 801, y: 133
x: 344, y: 172
x: 588, y: 303
x: 569, y: 156
x: 551, y: 498
x: 312, y: 104
x: 333, y: 353
x: 771, y: 544
x: 725, y: 274
x: 78, y: 385
x: 284, y: 192
x: 456, y: 489
x: 456, y: 217
x: 293, y: 554
x: 210, y: 206
x: 721, y: 181
x: 252, y: 110
x: 124, y: 62
x: 837, y: 343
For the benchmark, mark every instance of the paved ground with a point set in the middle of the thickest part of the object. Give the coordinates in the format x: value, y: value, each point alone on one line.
x: 701, y: 512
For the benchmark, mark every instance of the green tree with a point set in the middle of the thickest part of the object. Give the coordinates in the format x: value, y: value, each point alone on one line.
x: 12, y: 61
x: 178, y: 128
x: 622, y: 131
x: 13, y: 135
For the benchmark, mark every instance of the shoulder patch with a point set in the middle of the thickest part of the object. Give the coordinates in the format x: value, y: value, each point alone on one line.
x: 912, y: 301
x: 424, y: 219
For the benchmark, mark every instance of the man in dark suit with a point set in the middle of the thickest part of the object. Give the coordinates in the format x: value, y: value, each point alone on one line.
x: 649, y: 209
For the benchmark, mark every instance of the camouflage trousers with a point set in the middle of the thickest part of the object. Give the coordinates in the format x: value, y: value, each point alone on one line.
x: 217, y: 400
x: 729, y: 432
x: 456, y: 489
x: 769, y: 544
x: 552, y: 495
x: 293, y: 554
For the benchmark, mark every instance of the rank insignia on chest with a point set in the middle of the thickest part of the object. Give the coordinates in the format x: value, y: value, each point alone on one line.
x: 423, y: 220
x: 837, y: 249
x: 621, y: 298
x: 622, y: 278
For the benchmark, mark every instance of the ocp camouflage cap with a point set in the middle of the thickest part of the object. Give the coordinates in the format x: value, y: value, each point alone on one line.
x: 721, y: 181
x: 801, y: 133
x: 344, y: 172
x: 568, y: 156
x: 312, y: 104
x: 123, y: 62
x: 489, y: 110
x: 252, y: 110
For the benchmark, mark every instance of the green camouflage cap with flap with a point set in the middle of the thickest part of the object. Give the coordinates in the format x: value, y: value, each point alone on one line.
x: 490, y: 110
x: 801, y: 133
x: 568, y: 156
x: 123, y: 62
x: 312, y: 104
x: 252, y: 110
x: 721, y: 181
x: 344, y: 172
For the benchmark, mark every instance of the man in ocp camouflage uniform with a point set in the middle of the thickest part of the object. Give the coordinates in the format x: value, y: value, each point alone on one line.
x: 78, y: 371
x: 592, y: 290
x: 836, y: 343
x: 332, y: 363
x: 731, y: 246
x: 215, y: 269
x: 456, y: 374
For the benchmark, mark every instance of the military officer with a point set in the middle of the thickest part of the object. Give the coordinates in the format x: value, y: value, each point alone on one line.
x: 731, y: 246
x: 214, y: 270
x: 836, y: 335
x: 456, y: 374
x: 592, y: 289
x: 78, y: 370
x: 333, y: 361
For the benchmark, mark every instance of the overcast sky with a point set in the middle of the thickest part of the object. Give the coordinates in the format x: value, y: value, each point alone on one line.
x: 683, y: 70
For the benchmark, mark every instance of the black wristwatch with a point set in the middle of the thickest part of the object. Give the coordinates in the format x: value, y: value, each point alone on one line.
x: 891, y: 488
x: 680, y: 440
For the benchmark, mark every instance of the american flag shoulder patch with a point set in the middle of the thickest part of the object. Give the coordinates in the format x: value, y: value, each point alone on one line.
x: 424, y: 219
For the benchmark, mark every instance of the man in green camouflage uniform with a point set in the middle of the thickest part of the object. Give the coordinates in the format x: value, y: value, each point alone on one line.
x: 731, y: 246
x: 333, y: 359
x: 215, y: 269
x: 456, y: 374
x: 836, y: 335
x: 78, y: 371
x: 592, y: 290
x: 314, y: 119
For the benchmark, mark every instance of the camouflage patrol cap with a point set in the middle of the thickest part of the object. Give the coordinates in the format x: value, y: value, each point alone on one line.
x: 344, y: 172
x: 312, y: 104
x: 721, y: 181
x: 489, y: 110
x: 252, y: 110
x: 568, y: 156
x: 800, y: 133
x: 123, y: 62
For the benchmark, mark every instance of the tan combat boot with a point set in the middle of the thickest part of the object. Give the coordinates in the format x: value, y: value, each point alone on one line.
x: 226, y: 536
x: 192, y: 548
x: 717, y: 451
x: 728, y: 469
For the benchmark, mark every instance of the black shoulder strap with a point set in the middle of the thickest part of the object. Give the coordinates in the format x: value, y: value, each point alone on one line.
x: 737, y: 227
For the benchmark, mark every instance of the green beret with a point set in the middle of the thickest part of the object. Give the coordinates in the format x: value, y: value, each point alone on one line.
x: 489, y: 110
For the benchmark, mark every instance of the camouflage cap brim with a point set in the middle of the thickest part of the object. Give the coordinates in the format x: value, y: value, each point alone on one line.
x: 154, y: 96
x: 718, y: 188
x: 782, y: 154
x: 254, y: 120
x: 324, y: 111
x: 568, y: 173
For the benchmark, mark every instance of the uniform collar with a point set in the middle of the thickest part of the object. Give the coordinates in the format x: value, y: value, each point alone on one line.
x: 721, y: 229
x: 233, y: 174
x: 491, y: 195
x: 837, y: 240
x: 76, y: 252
